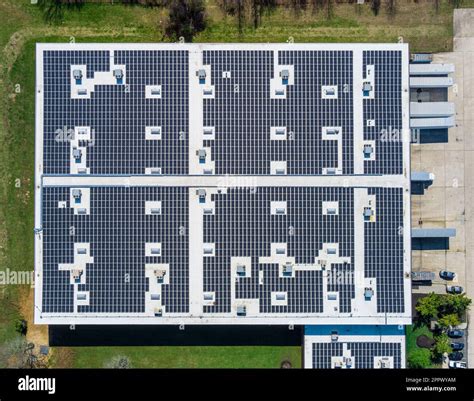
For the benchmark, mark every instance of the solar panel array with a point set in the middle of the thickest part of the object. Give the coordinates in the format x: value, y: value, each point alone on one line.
x: 386, y: 110
x: 384, y: 249
x: 243, y: 111
x: 362, y: 352
x: 118, y: 114
x: 244, y: 226
x: 117, y: 229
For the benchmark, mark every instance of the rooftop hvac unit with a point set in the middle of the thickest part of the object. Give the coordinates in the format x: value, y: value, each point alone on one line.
x: 366, y: 88
x: 81, y: 210
x: 287, y: 269
x: 207, y: 171
x: 81, y: 251
x: 76, y: 275
x: 77, y: 74
x: 368, y: 150
x: 332, y: 131
x: 202, y: 195
x: 348, y: 362
x: 208, y: 92
x: 385, y: 363
x: 241, y: 310
x: 240, y: 270
x: 368, y: 212
x: 201, y: 153
x: 77, y: 194
x: 82, y: 170
x: 81, y: 296
x: 279, y: 92
x: 280, y: 171
x: 160, y: 276
x: 208, y: 131
x: 368, y: 293
x: 280, y: 251
x: 207, y: 211
x: 331, y: 210
x: 331, y: 170
x: 202, y: 76
x: 158, y: 312
x: 284, y: 74
x: 155, y: 297
x: 118, y: 74
x: 155, y: 131
x: 155, y: 170
x: 82, y: 92
x: 334, y: 335
x: 76, y: 153
x: 155, y: 210
x: 280, y: 210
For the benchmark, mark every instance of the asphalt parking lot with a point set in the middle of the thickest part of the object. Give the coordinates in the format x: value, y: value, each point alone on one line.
x: 449, y: 201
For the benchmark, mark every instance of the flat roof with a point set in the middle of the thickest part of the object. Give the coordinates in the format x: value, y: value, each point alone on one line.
x: 208, y: 183
x: 354, y: 347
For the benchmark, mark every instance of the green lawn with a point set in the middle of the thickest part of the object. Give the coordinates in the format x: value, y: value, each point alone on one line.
x: 412, y: 332
x: 189, y: 357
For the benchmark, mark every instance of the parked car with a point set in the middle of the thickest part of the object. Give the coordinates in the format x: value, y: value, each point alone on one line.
x: 455, y: 356
x: 457, y: 346
x: 457, y: 365
x: 446, y: 275
x: 454, y: 289
x: 455, y: 333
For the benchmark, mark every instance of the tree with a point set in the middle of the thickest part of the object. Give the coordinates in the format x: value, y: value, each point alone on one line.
x: 442, y: 346
x: 329, y: 9
x: 375, y: 7
x: 419, y: 358
x: 53, y: 10
x: 186, y: 19
x: 391, y: 8
x: 456, y: 3
x: 448, y: 321
x: 119, y: 362
x: 457, y: 304
x: 21, y: 326
x: 428, y: 306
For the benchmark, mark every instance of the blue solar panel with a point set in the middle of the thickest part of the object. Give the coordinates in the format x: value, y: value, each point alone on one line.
x: 362, y: 352
x: 118, y: 114
x: 117, y: 229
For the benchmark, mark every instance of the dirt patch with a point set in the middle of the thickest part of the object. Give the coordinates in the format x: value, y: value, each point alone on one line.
x: 425, y: 342
x: 37, y: 334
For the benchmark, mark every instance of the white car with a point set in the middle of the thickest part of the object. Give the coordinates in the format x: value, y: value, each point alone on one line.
x: 457, y: 365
